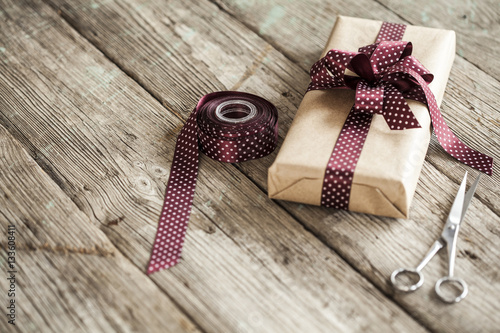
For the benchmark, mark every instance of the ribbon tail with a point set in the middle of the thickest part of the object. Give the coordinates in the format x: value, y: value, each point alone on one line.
x: 417, y: 94
x: 448, y: 140
x: 397, y: 112
x: 179, y: 195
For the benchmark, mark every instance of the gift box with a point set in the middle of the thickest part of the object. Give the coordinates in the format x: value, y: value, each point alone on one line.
x: 387, y: 172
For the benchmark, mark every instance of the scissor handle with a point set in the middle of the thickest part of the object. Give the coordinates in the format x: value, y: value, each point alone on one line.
x: 409, y: 273
x: 451, y: 298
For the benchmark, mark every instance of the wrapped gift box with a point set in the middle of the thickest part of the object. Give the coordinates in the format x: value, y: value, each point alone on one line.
x: 387, y: 172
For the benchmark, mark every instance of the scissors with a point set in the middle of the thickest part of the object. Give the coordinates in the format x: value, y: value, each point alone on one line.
x: 447, y: 239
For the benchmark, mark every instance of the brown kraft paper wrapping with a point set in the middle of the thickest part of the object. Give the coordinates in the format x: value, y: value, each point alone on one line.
x: 390, y: 163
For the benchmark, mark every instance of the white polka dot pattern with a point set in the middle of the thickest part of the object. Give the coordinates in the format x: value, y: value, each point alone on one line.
x: 390, y: 31
x: 387, y: 74
x: 345, y: 156
x: 221, y: 140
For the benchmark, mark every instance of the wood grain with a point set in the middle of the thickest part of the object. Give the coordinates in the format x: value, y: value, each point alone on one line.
x: 303, y: 25
x: 354, y: 236
x: 248, y: 265
x: 476, y: 23
x: 70, y: 278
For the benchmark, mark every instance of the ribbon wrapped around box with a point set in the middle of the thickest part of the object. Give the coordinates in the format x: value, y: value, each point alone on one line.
x: 389, y: 146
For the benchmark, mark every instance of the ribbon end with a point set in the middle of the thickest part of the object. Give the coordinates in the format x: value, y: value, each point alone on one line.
x: 413, y: 124
x: 154, y: 267
x: 476, y: 160
x: 151, y: 270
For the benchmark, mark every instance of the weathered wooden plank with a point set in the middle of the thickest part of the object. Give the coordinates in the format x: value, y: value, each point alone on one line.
x: 283, y: 83
x: 249, y: 266
x: 476, y: 23
x: 388, y: 245
x: 70, y: 278
x: 469, y: 108
x: 298, y: 27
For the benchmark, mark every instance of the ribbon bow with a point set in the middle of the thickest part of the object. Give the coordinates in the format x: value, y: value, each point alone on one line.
x: 386, y: 75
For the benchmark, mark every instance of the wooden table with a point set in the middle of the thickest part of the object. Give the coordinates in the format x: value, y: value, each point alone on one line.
x: 92, y: 97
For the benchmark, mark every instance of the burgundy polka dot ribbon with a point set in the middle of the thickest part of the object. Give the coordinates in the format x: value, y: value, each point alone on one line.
x: 227, y: 126
x: 387, y: 74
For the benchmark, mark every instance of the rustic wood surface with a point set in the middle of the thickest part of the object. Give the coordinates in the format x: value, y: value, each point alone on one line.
x: 92, y: 96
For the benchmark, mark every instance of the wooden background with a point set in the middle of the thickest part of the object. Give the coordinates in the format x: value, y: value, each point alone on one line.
x: 92, y: 96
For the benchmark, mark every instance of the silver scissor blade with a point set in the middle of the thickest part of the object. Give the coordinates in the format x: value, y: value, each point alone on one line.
x: 468, y: 196
x: 456, y: 210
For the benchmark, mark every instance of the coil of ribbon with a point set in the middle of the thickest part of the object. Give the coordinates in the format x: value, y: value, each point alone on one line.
x: 227, y: 126
x: 386, y: 74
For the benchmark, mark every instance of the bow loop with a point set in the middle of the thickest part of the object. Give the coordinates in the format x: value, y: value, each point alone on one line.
x: 388, y: 54
x: 360, y: 64
x: 386, y: 100
x: 328, y: 72
x: 397, y: 112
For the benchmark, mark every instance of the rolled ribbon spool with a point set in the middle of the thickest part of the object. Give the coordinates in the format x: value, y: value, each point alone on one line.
x: 227, y: 126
